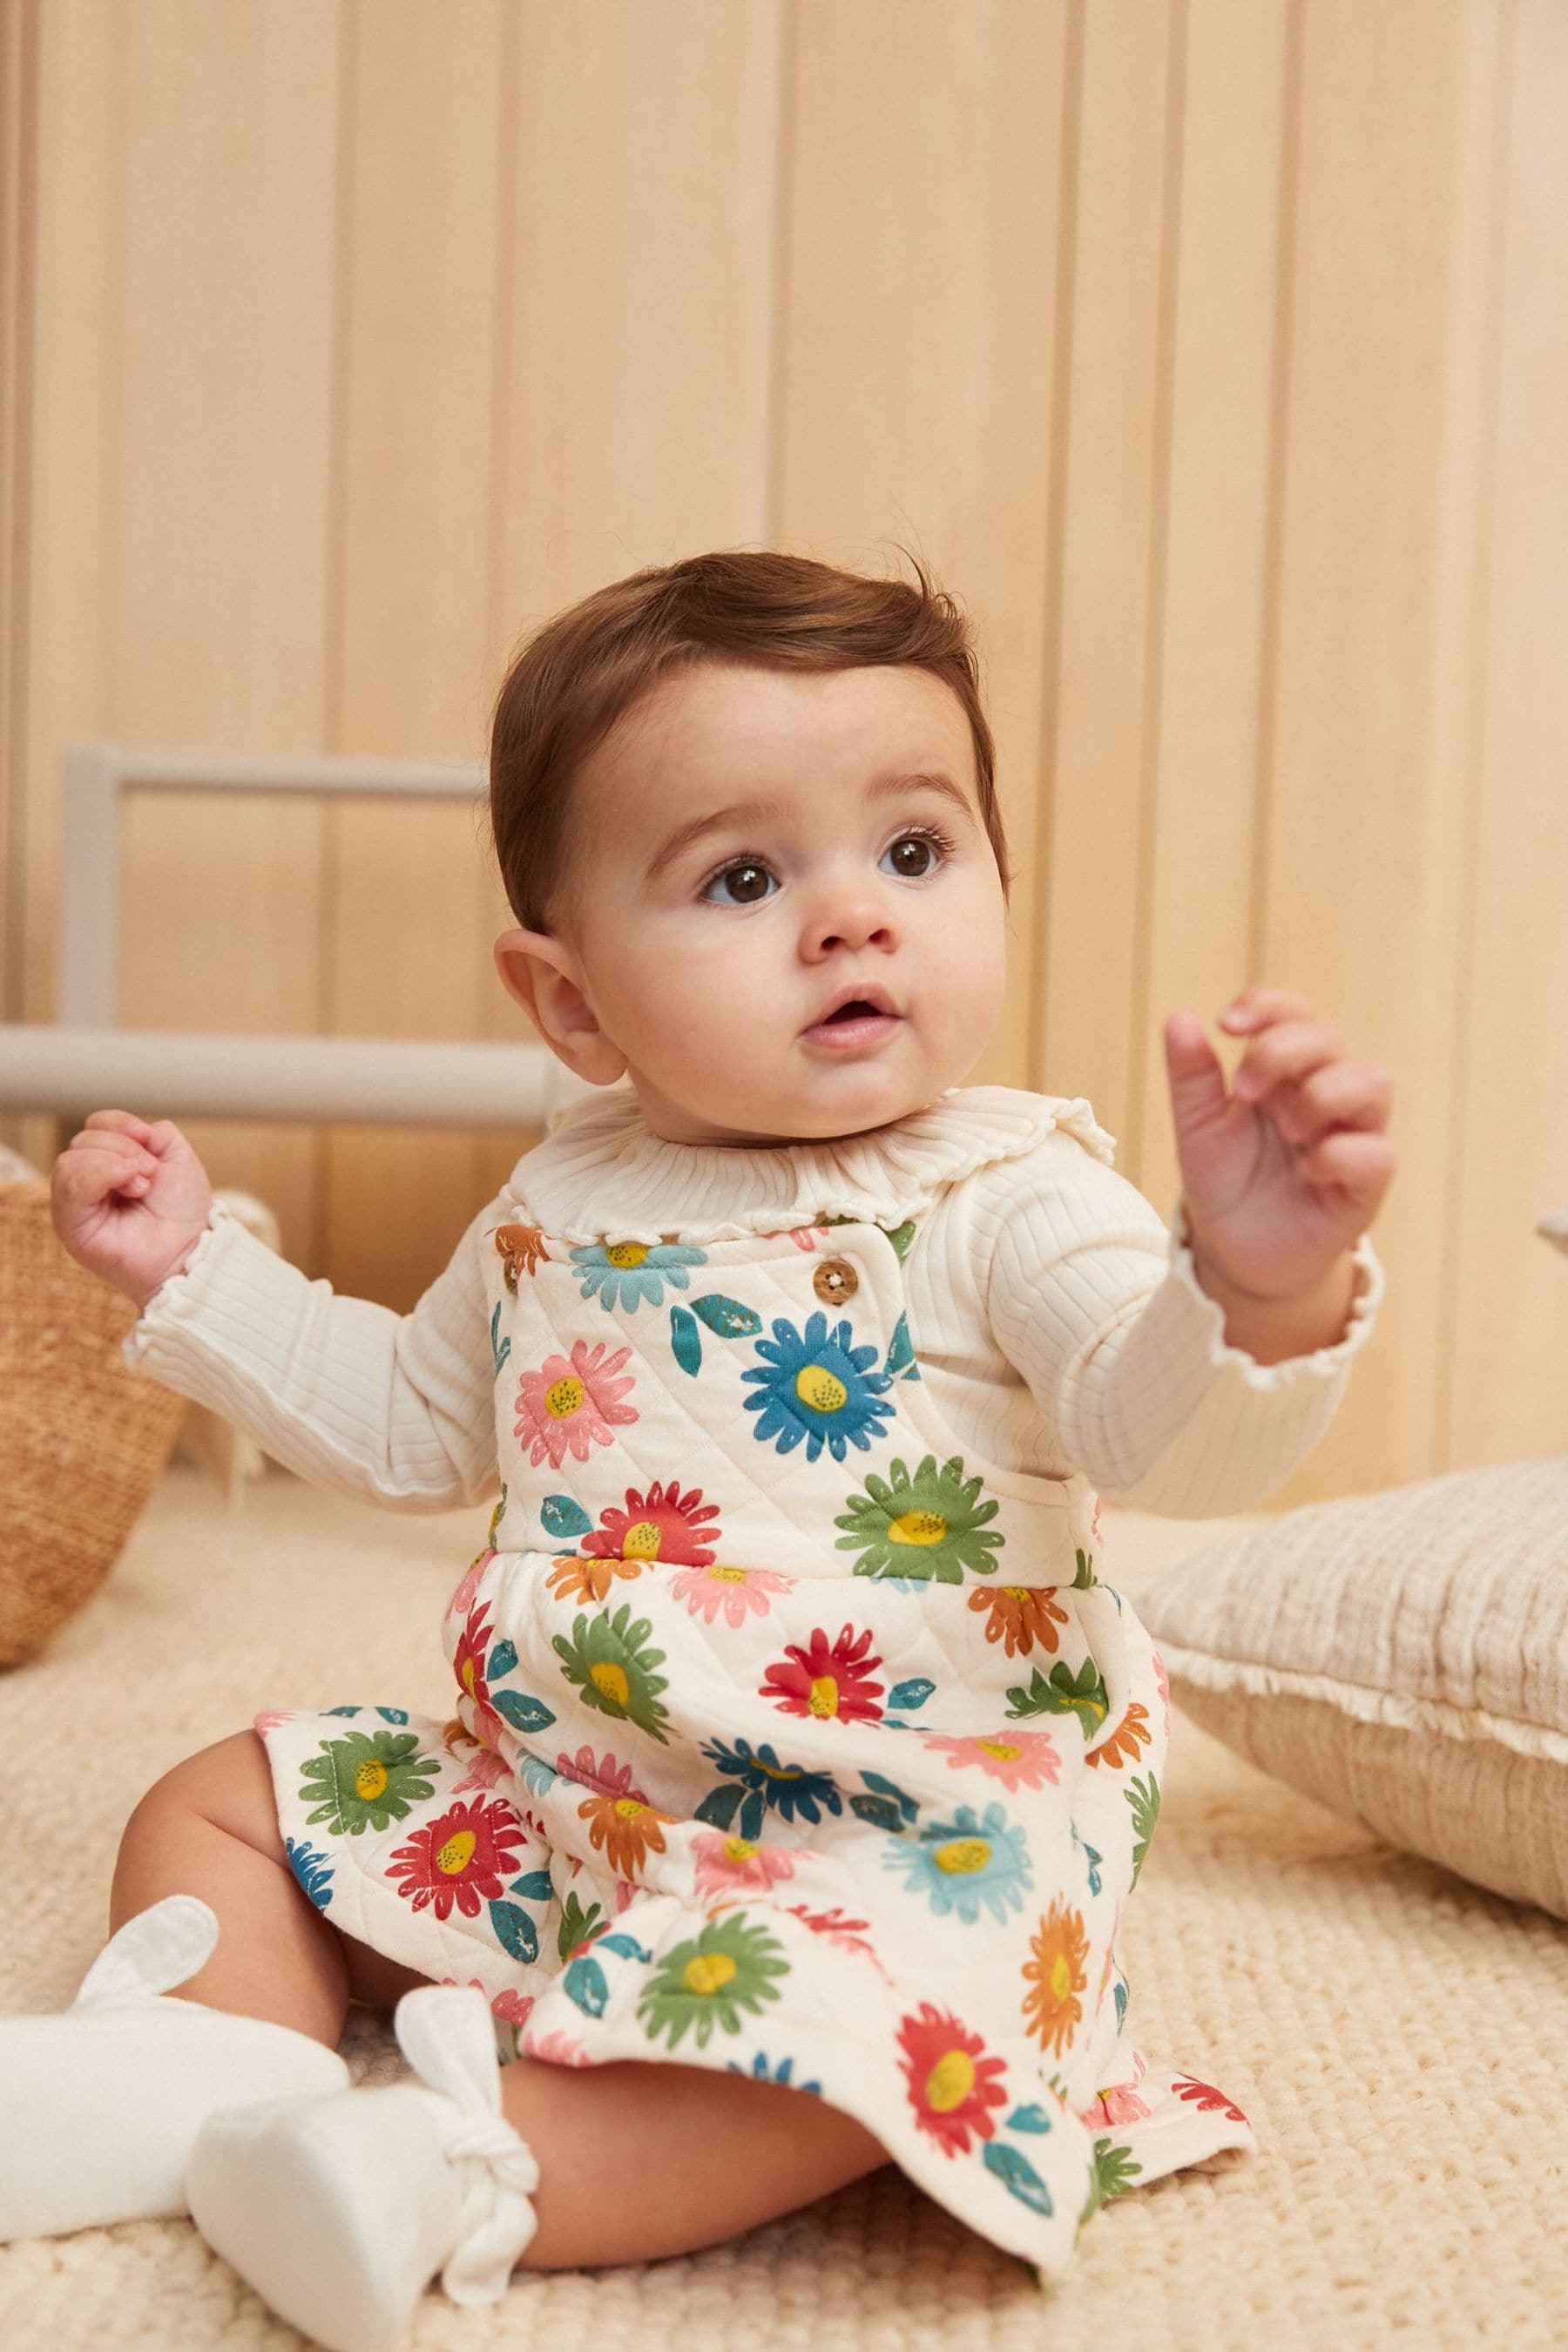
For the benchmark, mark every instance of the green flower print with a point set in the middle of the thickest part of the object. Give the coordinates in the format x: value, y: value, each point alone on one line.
x: 626, y: 1273
x: 711, y: 1978
x: 1114, y: 2174
x: 357, y: 1782
x: 929, y: 1526
x: 819, y: 1387
x: 608, y: 1659
x: 1143, y: 1796
x: 1063, y: 1693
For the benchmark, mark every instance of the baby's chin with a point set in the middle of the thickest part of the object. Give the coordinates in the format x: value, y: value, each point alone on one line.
x: 792, y: 1105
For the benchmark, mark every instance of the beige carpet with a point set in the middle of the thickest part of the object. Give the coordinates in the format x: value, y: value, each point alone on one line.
x: 1399, y: 2039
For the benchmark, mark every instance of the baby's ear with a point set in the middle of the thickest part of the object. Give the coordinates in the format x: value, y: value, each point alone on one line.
x: 541, y: 973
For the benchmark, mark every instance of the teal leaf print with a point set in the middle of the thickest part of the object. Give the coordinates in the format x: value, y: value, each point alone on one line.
x: 727, y: 1317
x: 523, y: 1712
x: 560, y: 1516
x: 502, y: 1660
x: 1065, y: 1693
x: 584, y: 1982
x: 626, y: 1945
x: 1016, y: 2172
x: 534, y: 1884
x: 913, y: 1693
x: 1032, y: 2118
x: 888, y: 1808
x: 514, y: 1931
x: 500, y: 1349
x: 719, y: 1808
x: 901, y: 1351
x: 1143, y: 1796
x: 685, y: 1340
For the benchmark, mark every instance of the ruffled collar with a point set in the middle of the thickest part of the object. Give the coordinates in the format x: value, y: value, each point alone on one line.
x: 601, y: 1173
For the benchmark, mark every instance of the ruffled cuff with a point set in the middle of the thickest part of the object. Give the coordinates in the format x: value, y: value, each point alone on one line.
x: 181, y: 1295
x: 1319, y: 1363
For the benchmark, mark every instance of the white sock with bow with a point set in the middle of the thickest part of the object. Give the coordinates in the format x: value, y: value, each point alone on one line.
x: 99, y: 2102
x: 339, y: 2210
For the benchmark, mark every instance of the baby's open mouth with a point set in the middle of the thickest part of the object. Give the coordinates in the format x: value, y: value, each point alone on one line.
x: 858, y: 1020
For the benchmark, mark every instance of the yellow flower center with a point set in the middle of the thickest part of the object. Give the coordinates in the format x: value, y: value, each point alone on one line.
x: 1062, y: 1977
x: 779, y: 1771
x: 961, y: 1856
x: 739, y: 1849
x: 816, y: 1387
x: 606, y: 1677
x: 723, y: 1575
x: 369, y: 1779
x: 949, y: 2081
x: 707, y: 1973
x: 824, y: 1699
x: 455, y: 1855
x: 918, y: 1528
x: 565, y: 1398
x: 629, y: 1807
x: 641, y: 1542
x: 1019, y: 1591
x: 1005, y: 1750
x: 628, y: 1253
x: 467, y: 1675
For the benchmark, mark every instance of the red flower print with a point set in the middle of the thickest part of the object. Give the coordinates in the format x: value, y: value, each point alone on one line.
x: 952, y: 2085
x: 837, y: 1928
x: 1207, y: 2098
x: 826, y: 1681
x: 663, y: 1524
x: 462, y: 1857
x: 570, y: 1403
x: 468, y: 1665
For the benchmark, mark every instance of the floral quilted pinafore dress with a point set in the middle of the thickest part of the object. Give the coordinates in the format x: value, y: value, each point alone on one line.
x: 789, y: 1738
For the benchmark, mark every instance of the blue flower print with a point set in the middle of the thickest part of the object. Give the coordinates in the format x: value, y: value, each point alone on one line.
x: 759, y: 1781
x: 311, y: 1869
x: 816, y: 1386
x: 628, y: 1273
x: 972, y: 1860
x: 782, y: 2073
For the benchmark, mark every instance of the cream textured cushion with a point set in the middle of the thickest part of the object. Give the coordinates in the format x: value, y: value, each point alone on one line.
x: 1402, y: 1657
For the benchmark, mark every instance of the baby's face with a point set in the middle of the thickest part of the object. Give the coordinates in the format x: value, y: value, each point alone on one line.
x: 783, y: 917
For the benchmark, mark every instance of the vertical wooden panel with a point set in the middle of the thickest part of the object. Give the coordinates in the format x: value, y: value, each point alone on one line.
x: 1202, y: 737
x: 18, y: 176
x: 216, y: 612
x: 1109, y: 524
x: 407, y: 936
x: 1365, y: 816
x: 917, y: 340
x: 1509, y: 1346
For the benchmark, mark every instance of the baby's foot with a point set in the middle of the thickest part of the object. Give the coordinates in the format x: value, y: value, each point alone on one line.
x: 340, y: 2210
x: 99, y: 2102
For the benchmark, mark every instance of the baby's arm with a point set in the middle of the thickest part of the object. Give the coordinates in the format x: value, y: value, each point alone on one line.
x: 1098, y: 1306
x: 393, y: 1409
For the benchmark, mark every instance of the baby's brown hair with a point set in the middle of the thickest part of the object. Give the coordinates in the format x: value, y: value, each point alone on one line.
x: 577, y: 674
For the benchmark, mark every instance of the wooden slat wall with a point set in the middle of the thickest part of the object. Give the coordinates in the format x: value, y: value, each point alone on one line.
x: 1211, y: 350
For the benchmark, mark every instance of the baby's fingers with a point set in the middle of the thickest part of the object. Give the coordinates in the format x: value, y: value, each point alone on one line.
x: 125, y: 1122
x: 1359, y: 1163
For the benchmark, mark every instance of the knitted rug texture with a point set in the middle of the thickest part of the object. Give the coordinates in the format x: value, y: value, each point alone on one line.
x: 1399, y: 2038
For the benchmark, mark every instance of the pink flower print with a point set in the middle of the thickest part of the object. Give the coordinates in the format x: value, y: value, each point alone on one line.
x: 273, y: 1717
x: 803, y: 1238
x: 571, y: 1403
x: 625, y: 1891
x: 1120, y: 2104
x: 610, y: 1779
x: 706, y: 1591
x: 557, y: 2049
x: 1164, y: 1680
x: 485, y: 1771
x: 1019, y: 1759
x: 728, y: 1865
x: 1094, y: 1523
x: 462, y: 1600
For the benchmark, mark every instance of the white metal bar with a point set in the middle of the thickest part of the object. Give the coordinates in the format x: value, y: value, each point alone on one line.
x: 334, y: 1081
x: 186, y: 772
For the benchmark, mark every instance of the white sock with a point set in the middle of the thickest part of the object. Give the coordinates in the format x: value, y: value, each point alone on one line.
x: 340, y: 2210
x: 99, y: 2102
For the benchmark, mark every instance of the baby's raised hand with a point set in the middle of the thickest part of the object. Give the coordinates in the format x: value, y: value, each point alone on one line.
x: 1282, y: 1173
x: 129, y: 1200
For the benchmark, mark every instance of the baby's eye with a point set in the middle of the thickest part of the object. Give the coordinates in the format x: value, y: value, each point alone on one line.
x: 913, y: 855
x: 744, y: 884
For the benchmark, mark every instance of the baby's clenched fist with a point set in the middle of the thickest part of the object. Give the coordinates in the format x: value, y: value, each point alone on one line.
x: 130, y: 1201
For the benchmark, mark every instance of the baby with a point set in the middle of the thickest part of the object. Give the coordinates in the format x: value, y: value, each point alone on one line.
x: 802, y: 1762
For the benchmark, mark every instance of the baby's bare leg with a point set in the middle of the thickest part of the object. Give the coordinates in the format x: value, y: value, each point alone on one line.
x: 210, y: 1827
x: 638, y: 2159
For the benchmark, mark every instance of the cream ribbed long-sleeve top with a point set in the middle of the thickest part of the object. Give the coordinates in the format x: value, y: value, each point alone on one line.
x: 1059, y: 1325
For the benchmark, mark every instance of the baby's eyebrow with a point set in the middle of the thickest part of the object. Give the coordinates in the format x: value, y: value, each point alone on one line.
x: 744, y: 813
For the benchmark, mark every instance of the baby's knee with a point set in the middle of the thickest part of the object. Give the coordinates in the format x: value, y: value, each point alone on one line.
x: 229, y: 1783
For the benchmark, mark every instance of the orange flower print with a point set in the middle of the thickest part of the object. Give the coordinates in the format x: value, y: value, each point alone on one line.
x: 1019, y: 1614
x: 1019, y: 1759
x: 735, y: 1590
x: 521, y: 1249
x: 572, y: 1404
x: 952, y: 2084
x: 462, y: 1857
x: 1055, y: 1974
x: 1123, y: 1746
x: 826, y: 1681
x: 738, y: 1866
x: 626, y: 1830
x: 663, y: 1524
x: 575, y: 1579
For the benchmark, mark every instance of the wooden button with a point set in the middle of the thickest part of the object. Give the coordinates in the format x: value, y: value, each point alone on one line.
x: 834, y: 1281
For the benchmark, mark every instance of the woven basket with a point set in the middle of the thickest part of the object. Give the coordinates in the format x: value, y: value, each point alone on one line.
x: 82, y: 1437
